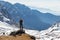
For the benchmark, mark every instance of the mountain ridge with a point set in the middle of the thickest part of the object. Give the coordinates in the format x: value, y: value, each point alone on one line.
x: 32, y: 18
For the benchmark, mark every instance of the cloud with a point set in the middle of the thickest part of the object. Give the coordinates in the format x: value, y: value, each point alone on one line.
x: 49, y: 4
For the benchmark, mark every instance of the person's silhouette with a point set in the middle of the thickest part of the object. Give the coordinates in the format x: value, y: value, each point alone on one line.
x: 21, y: 24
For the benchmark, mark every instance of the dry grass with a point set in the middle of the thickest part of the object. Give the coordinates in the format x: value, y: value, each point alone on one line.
x: 17, y: 37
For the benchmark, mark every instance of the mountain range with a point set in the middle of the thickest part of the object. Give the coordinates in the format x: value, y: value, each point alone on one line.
x: 33, y: 19
x: 52, y: 33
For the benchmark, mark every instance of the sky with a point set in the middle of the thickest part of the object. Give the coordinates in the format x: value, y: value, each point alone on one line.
x: 53, y: 5
x: 0, y: 0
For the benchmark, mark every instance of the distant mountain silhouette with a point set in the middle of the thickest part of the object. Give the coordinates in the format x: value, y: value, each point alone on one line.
x: 33, y: 19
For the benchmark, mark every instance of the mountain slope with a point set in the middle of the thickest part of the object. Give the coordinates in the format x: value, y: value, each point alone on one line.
x: 4, y: 17
x: 53, y: 33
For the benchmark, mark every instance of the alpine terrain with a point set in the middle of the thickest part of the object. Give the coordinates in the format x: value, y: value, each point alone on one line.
x: 37, y: 25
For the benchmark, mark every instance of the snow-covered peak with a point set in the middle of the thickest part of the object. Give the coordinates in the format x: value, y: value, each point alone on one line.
x: 52, y: 33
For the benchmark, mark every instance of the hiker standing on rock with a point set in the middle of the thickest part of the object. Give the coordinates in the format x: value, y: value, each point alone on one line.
x: 21, y: 24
